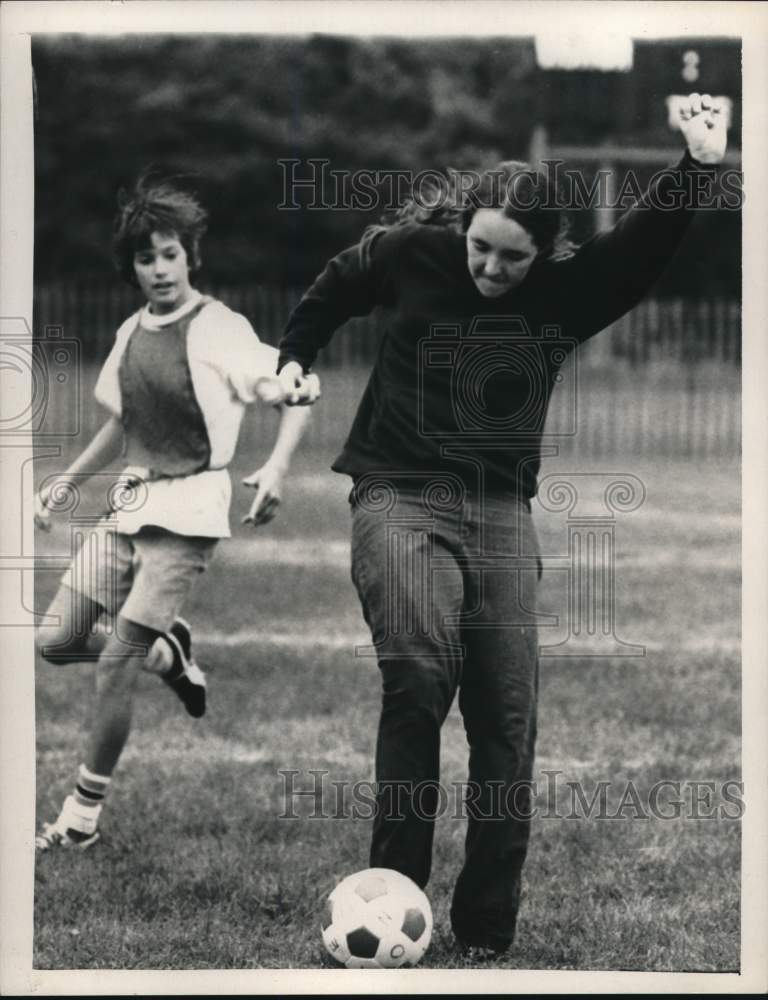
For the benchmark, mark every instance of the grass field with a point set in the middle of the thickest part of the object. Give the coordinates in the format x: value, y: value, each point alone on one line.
x: 197, y: 871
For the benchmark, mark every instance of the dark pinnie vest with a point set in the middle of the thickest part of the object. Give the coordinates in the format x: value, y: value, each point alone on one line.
x: 163, y: 426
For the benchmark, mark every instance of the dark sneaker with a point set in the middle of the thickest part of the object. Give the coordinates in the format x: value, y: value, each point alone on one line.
x: 477, y: 953
x: 185, y: 677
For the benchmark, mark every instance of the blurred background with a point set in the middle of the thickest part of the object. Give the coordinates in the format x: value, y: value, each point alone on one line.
x: 223, y: 111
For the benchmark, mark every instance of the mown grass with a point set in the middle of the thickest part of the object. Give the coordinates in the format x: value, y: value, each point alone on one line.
x: 197, y: 870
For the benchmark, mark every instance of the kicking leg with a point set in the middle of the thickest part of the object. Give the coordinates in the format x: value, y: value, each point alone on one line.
x: 171, y: 658
x: 168, y: 567
x: 97, y: 582
x: 72, y: 636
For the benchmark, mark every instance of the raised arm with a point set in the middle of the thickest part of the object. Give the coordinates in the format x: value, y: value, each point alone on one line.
x: 351, y: 284
x: 614, y: 270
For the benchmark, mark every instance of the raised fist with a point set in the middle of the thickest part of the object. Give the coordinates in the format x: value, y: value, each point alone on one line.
x: 702, y: 122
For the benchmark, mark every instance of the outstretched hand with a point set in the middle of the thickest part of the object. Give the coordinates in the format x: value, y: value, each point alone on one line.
x: 267, y: 481
x: 53, y: 495
x: 298, y: 389
x: 42, y: 513
x: 702, y: 122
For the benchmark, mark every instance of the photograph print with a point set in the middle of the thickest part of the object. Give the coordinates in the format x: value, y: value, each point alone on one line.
x: 387, y: 488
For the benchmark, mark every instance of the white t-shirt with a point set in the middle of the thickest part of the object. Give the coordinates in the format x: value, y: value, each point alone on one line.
x: 230, y: 368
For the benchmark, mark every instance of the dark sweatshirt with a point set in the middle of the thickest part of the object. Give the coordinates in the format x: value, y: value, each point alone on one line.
x: 462, y: 383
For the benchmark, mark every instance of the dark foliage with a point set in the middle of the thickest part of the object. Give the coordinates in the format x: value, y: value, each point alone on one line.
x: 224, y: 110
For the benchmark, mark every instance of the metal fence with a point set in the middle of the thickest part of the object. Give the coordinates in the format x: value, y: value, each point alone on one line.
x: 663, y: 381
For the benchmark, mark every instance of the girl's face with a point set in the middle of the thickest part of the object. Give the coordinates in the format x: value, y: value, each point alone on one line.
x: 163, y: 273
x: 499, y: 252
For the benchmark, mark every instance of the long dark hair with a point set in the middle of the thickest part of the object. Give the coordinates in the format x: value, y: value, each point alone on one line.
x: 522, y: 193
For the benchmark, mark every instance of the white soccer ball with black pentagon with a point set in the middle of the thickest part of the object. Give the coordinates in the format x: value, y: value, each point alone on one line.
x: 377, y: 919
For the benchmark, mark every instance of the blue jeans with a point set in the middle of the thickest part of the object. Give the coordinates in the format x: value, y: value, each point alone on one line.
x: 447, y: 585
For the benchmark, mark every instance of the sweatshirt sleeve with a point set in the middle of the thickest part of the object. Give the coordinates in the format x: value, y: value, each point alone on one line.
x: 352, y: 284
x: 611, y: 272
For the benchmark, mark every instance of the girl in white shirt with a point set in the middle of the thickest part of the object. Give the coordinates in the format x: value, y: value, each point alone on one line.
x: 176, y: 384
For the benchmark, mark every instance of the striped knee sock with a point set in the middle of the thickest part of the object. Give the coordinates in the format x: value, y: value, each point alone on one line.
x: 90, y: 790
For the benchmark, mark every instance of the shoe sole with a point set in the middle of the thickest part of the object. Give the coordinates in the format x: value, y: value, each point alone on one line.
x: 192, y: 696
x: 187, y: 628
x: 69, y: 845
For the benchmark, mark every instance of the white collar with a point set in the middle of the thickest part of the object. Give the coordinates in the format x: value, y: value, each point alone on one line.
x: 154, y: 321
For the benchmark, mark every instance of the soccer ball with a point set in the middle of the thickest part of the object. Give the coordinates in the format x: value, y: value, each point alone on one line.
x: 377, y: 919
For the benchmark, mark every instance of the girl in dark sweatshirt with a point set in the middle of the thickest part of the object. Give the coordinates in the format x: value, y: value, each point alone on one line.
x: 481, y: 303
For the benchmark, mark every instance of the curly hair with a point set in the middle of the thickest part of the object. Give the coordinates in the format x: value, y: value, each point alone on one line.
x: 522, y: 193
x: 156, y: 206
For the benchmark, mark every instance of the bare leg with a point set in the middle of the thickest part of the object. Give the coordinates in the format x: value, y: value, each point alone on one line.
x: 117, y: 668
x: 117, y: 671
x: 72, y: 639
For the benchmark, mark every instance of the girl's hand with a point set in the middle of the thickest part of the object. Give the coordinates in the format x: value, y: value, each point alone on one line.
x: 267, y: 481
x: 702, y: 122
x: 42, y: 513
x: 298, y: 389
x: 54, y: 493
x: 269, y: 390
